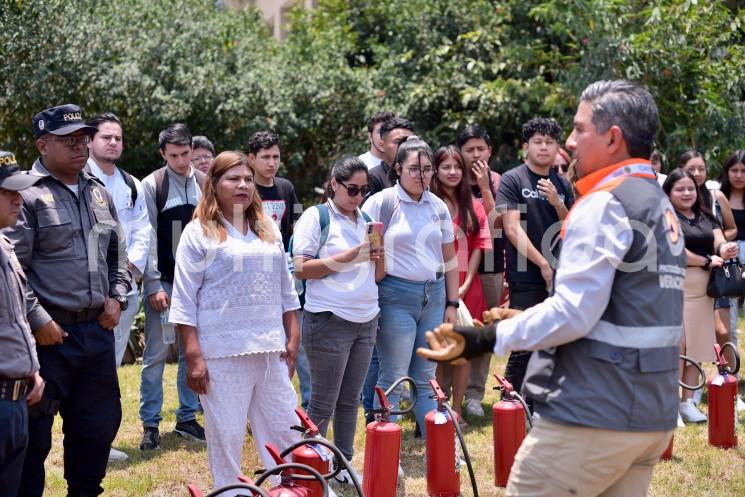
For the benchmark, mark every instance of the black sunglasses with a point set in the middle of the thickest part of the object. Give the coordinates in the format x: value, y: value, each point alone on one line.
x: 354, y: 190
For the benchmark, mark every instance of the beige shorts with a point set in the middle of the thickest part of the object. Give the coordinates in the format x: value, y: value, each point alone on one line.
x: 559, y: 460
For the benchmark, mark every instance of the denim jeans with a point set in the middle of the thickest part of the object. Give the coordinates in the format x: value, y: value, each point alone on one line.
x: 153, y: 364
x: 368, y: 388
x: 338, y: 353
x: 123, y: 329
x: 407, y: 310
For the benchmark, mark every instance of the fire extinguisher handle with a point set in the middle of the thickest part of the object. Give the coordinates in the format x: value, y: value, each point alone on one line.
x: 309, y: 426
x: 341, y: 461
x: 722, y: 361
x: 302, y: 467
x: 254, y: 489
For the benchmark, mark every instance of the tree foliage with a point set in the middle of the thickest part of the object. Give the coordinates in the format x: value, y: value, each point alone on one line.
x: 443, y: 64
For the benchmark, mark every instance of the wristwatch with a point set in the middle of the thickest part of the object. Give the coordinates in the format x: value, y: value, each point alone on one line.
x: 452, y: 303
x: 123, y: 302
x: 707, y: 263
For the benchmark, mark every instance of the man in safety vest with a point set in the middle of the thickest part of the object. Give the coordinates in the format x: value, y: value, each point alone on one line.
x: 604, y: 377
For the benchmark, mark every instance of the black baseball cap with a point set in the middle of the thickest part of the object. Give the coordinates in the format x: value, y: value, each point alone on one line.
x: 11, y: 176
x: 61, y: 120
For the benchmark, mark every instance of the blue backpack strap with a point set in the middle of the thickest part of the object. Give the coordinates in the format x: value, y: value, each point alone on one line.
x: 323, y: 221
x: 367, y: 218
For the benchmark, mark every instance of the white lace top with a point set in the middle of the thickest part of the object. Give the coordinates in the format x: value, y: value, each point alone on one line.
x: 234, y: 292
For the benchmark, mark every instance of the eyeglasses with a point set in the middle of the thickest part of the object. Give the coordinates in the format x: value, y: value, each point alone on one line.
x: 71, y: 141
x: 202, y: 158
x: 415, y: 172
x: 564, y: 167
x: 354, y: 190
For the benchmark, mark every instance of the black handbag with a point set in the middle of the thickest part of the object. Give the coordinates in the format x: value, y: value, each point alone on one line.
x: 726, y: 281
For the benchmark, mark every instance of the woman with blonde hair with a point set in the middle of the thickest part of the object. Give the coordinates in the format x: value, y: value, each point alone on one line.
x: 234, y: 305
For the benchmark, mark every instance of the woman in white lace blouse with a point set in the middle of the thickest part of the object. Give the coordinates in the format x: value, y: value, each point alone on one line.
x: 234, y: 304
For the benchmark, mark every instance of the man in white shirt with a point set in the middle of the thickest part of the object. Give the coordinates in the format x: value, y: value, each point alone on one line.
x: 604, y: 372
x: 372, y: 157
x: 105, y: 148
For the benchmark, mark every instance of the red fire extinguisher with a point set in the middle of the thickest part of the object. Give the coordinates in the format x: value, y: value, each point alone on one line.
x: 316, y: 452
x: 313, y: 455
x: 722, y: 397
x: 245, y: 484
x: 443, y: 479
x: 290, y: 475
x: 508, y: 419
x: 383, y: 444
x: 668, y: 454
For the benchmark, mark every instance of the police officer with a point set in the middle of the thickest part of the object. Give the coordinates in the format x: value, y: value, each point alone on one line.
x: 68, y: 241
x: 20, y: 382
x: 604, y: 377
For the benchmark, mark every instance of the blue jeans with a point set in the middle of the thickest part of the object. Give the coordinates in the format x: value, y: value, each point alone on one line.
x: 302, y: 367
x: 153, y: 364
x: 407, y: 310
x: 368, y: 388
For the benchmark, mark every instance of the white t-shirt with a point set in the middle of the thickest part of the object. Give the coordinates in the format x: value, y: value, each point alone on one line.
x: 415, y: 234
x: 234, y: 292
x: 370, y: 160
x: 351, y: 292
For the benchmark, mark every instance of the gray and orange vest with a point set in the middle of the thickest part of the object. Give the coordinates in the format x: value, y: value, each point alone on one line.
x: 623, y: 375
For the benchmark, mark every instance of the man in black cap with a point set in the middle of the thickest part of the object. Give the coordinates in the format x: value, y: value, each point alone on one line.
x: 69, y: 242
x: 20, y: 382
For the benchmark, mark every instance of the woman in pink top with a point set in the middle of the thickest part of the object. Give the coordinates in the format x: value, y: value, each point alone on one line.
x: 471, y: 239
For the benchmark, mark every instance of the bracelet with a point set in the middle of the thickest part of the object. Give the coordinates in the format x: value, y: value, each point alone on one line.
x: 707, y: 263
x: 452, y: 303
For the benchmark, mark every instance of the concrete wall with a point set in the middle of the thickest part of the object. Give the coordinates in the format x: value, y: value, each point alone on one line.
x: 275, y: 11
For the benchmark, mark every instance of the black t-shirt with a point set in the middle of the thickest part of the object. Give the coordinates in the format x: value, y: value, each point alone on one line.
x: 377, y: 178
x: 699, y: 233
x: 279, y: 204
x: 739, y: 215
x: 518, y: 190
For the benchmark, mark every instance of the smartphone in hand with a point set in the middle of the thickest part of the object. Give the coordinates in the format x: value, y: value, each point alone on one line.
x: 375, y: 234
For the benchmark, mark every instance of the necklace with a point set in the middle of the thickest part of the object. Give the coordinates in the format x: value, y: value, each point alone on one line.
x: 691, y: 222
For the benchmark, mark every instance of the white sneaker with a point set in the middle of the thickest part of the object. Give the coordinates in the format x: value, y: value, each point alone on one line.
x: 344, y: 478
x: 739, y: 405
x: 697, y: 394
x: 400, y: 471
x: 117, y: 455
x: 690, y: 414
x: 473, y: 408
x: 681, y: 424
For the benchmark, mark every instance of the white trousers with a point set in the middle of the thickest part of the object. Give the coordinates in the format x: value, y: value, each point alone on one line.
x: 254, y: 387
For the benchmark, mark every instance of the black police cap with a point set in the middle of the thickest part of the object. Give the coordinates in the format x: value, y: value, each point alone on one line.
x: 61, y: 120
x: 11, y: 176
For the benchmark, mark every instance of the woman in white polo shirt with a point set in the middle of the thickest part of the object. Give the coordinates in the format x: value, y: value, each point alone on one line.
x: 340, y: 319
x: 414, y: 296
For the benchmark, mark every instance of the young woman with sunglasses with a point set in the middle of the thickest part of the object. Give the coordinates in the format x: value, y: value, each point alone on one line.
x: 472, y: 237
x: 414, y: 295
x: 340, y: 318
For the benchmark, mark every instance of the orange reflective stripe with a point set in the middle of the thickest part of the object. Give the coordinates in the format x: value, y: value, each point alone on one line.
x: 586, y: 184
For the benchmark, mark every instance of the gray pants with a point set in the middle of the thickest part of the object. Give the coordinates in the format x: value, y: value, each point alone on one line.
x: 339, y: 354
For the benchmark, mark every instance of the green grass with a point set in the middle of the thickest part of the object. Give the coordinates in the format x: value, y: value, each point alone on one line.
x: 696, y: 469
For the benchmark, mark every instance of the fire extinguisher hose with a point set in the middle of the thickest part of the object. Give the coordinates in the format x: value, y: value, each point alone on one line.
x: 412, y: 385
x: 341, y: 461
x: 255, y: 491
x: 315, y: 475
x: 735, y: 356
x: 701, y: 374
x: 462, y: 442
x: 528, y: 415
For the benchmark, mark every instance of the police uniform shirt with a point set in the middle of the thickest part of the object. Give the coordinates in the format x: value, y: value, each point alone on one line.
x: 68, y: 267
x: 17, y: 344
